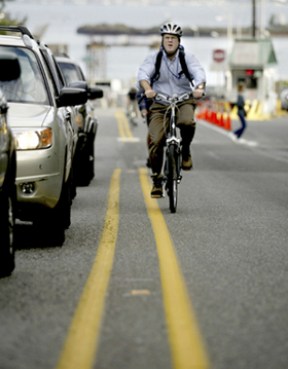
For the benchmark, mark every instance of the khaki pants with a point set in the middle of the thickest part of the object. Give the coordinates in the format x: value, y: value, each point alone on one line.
x: 157, y: 127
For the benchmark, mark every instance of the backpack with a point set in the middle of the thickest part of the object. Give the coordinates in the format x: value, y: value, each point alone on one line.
x: 183, y: 64
x: 142, y: 100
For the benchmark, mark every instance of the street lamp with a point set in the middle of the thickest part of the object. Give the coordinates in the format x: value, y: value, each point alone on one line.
x: 253, y: 18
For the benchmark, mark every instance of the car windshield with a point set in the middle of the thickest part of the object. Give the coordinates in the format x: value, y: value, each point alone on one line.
x: 30, y: 86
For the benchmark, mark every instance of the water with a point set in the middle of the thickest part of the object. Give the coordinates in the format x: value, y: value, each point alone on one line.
x: 62, y: 18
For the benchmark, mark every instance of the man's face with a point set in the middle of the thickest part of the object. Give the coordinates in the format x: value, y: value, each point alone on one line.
x: 170, y: 44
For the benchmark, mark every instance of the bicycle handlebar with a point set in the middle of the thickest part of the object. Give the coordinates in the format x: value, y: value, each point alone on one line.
x: 171, y: 99
x: 174, y: 98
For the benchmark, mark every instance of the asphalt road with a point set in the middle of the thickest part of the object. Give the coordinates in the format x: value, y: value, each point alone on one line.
x: 136, y: 287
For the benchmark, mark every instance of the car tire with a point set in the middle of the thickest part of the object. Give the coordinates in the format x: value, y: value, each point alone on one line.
x: 87, y: 171
x: 61, y: 215
x: 7, y: 222
x: 73, y: 190
x: 58, y: 219
x: 91, y: 159
x: 85, y: 160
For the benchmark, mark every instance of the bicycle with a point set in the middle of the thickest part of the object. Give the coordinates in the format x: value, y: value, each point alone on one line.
x: 173, y: 150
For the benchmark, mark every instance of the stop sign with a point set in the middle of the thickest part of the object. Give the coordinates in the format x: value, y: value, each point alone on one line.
x: 218, y: 55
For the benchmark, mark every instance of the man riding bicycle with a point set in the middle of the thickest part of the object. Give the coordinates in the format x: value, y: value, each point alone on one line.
x: 171, y: 80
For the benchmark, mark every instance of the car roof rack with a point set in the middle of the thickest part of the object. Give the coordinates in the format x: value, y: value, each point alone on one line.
x: 19, y: 29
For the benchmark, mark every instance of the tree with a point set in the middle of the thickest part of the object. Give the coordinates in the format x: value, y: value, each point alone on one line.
x: 5, y: 18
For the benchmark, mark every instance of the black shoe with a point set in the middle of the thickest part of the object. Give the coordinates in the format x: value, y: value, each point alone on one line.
x: 157, y: 189
x: 148, y: 163
x: 187, y: 163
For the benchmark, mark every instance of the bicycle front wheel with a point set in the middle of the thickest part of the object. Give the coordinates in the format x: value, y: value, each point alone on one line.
x: 172, y: 178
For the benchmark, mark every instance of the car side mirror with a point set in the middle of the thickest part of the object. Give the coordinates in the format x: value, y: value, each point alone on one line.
x: 79, y: 84
x: 95, y: 93
x: 72, y: 96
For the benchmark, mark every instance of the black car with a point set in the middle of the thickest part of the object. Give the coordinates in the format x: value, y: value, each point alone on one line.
x: 7, y: 171
x: 86, y: 119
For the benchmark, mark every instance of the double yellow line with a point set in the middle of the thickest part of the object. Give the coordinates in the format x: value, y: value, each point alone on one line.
x: 81, y: 344
x: 184, y: 336
x: 186, y: 345
x: 123, y: 125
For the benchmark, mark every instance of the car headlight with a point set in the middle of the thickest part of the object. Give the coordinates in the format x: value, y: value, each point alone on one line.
x: 38, y: 138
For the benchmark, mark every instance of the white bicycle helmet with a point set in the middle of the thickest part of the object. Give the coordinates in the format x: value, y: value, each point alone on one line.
x: 171, y: 29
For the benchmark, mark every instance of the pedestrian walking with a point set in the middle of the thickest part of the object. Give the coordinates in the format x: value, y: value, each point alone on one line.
x: 241, y: 112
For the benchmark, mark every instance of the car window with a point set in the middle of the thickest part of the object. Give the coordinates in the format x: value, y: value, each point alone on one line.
x: 30, y: 86
x: 71, y: 72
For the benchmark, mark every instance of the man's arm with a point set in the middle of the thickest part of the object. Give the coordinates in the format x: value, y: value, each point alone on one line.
x: 148, y: 91
x: 144, y: 75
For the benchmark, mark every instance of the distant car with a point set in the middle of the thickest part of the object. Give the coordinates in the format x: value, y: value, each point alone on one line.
x: 7, y: 172
x: 41, y: 121
x: 87, y: 120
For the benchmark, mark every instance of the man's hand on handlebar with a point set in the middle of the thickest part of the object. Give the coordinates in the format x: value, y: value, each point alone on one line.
x: 150, y: 94
x: 198, y: 93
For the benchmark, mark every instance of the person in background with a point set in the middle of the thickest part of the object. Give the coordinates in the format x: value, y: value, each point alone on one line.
x: 241, y: 112
x: 132, y: 105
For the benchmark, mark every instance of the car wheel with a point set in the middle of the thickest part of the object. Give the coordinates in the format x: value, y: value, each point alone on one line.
x: 61, y: 215
x: 58, y: 219
x: 63, y: 209
x: 89, y: 172
x: 73, y: 190
x: 7, y: 222
x: 91, y: 158
x: 85, y: 161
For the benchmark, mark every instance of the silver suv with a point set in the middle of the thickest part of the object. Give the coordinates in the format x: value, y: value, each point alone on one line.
x: 42, y: 123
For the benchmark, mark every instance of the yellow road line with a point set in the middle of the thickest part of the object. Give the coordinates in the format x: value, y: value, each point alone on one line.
x: 184, y: 336
x: 123, y: 124
x: 81, y: 344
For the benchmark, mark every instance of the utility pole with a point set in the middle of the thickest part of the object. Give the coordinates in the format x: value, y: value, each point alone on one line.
x: 253, y: 18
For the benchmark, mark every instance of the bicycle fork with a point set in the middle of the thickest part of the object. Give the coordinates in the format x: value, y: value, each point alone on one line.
x: 176, y: 142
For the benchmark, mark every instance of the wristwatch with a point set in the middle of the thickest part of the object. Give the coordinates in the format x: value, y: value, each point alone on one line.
x: 201, y: 86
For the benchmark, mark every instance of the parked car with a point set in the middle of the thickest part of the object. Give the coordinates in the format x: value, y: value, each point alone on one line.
x: 7, y: 173
x: 86, y: 119
x: 41, y: 121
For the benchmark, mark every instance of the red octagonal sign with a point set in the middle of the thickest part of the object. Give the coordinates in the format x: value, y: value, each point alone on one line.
x: 218, y: 55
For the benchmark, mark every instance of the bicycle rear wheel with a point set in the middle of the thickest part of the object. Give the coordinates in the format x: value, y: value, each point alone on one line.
x: 172, y: 178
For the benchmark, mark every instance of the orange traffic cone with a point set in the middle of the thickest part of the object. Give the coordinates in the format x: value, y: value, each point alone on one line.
x: 228, y: 125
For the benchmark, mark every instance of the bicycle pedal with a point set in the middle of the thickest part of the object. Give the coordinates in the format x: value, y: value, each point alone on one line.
x: 179, y: 179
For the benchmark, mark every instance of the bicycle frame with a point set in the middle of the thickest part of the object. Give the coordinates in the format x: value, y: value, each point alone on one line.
x: 173, y: 149
x: 172, y: 137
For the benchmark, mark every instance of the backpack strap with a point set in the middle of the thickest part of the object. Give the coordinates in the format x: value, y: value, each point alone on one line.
x: 184, y: 65
x: 156, y: 74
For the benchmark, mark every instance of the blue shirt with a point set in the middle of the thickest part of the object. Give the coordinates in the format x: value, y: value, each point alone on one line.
x: 170, y: 82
